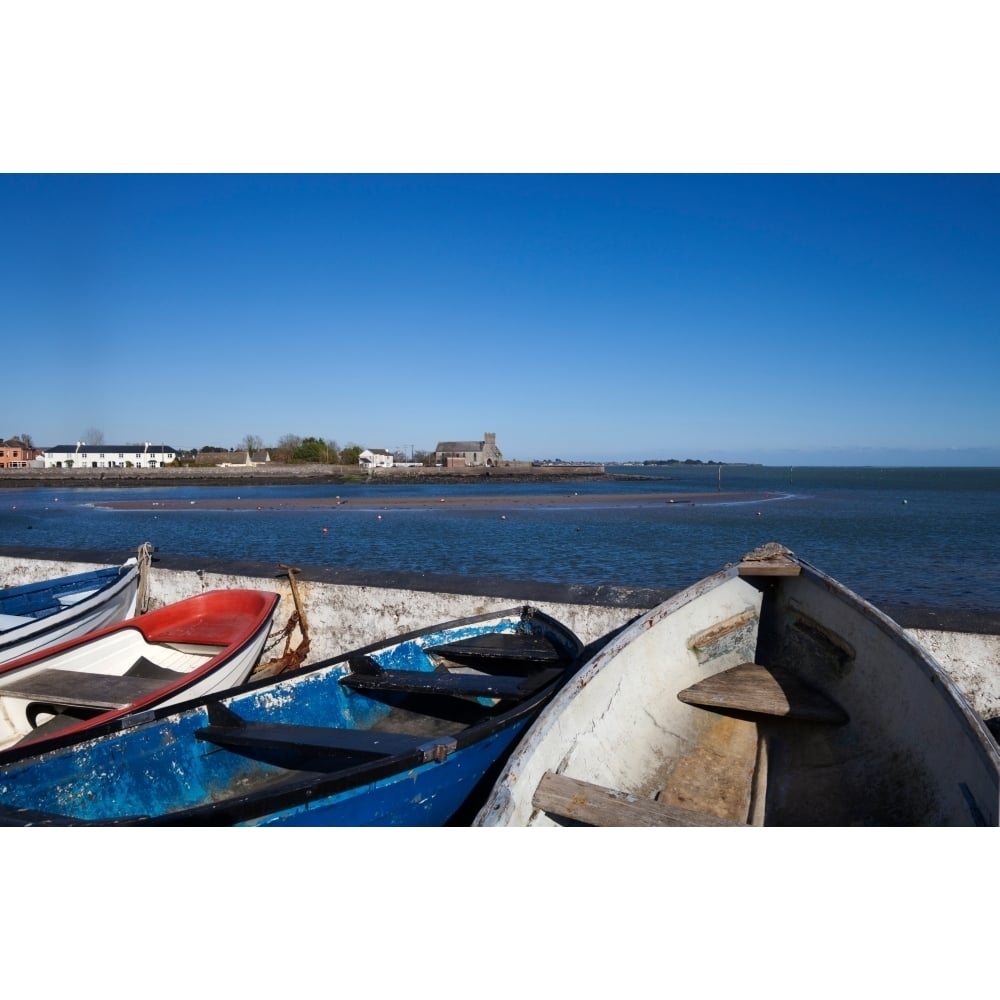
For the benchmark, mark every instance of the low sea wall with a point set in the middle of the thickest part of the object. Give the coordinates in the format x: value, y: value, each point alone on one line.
x: 278, y: 474
x: 345, y: 609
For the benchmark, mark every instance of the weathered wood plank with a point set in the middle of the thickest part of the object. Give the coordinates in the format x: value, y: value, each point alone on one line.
x: 516, y: 647
x: 715, y: 772
x: 771, y: 559
x: 757, y: 690
x: 309, y: 739
x: 446, y: 683
x: 75, y: 687
x: 772, y: 568
x: 594, y: 805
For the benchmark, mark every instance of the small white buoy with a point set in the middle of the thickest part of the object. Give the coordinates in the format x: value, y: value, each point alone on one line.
x: 503, y: 517
x: 906, y: 501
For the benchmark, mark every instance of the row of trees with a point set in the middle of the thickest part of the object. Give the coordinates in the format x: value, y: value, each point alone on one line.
x: 293, y: 449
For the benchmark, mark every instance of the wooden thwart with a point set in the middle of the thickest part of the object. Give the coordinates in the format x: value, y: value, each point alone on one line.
x: 752, y: 689
x: 446, y: 683
x: 75, y: 687
x: 513, y: 647
x: 310, y: 739
x: 594, y: 805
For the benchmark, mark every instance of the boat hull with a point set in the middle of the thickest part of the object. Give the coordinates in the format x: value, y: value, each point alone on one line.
x: 108, y: 596
x: 428, y: 795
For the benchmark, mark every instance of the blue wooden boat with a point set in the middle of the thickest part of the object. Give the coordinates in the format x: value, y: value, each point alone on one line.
x: 38, y: 615
x: 402, y: 732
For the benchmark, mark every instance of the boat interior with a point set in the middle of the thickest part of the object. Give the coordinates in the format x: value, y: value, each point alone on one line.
x: 472, y: 681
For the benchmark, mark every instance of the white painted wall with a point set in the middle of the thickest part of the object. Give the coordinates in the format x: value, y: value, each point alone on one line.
x: 340, y: 618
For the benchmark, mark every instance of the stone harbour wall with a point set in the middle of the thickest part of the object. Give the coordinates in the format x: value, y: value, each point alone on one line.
x: 347, y: 609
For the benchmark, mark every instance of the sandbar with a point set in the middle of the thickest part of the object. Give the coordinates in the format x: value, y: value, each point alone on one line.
x: 495, y: 501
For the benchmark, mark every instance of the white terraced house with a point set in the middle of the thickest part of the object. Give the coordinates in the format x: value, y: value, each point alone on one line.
x: 375, y: 458
x: 108, y: 456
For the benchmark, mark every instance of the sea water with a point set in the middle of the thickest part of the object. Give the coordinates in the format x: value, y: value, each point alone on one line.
x: 899, y: 536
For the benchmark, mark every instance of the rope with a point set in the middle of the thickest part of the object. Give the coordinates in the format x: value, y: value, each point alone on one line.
x: 145, y: 559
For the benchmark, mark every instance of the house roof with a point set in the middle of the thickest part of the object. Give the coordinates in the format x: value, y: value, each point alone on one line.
x: 460, y: 446
x: 72, y: 449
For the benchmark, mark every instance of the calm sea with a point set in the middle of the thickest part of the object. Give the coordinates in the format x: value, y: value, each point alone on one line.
x: 898, y: 536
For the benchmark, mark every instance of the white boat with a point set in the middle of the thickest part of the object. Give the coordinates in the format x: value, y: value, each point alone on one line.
x: 38, y: 615
x: 767, y: 694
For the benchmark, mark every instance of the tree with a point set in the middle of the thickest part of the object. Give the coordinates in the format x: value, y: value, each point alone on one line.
x: 93, y: 436
x: 27, y: 441
x: 251, y: 443
x: 311, y: 449
x: 350, y: 455
x: 285, y: 448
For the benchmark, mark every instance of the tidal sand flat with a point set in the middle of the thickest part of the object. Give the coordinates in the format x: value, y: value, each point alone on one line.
x: 427, y: 502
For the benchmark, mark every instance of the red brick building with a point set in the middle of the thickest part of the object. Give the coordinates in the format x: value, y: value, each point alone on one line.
x: 15, y: 454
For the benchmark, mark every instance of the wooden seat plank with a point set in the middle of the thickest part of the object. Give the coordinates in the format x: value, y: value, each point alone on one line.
x: 752, y: 689
x: 594, y: 805
x: 310, y: 739
x: 500, y: 646
x: 448, y: 683
x: 76, y: 687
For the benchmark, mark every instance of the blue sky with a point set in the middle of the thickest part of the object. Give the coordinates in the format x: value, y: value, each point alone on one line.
x: 800, y: 318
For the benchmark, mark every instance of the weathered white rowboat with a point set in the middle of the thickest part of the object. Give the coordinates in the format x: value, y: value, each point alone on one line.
x: 767, y: 694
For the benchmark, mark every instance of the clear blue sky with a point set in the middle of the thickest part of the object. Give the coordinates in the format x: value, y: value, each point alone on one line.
x: 832, y: 319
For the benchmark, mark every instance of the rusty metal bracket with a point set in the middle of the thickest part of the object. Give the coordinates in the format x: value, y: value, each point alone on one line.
x: 290, y: 658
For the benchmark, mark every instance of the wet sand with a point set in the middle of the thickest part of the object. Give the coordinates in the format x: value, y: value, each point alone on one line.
x: 508, y: 502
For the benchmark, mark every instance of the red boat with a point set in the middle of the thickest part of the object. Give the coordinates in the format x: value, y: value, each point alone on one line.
x: 189, y: 649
